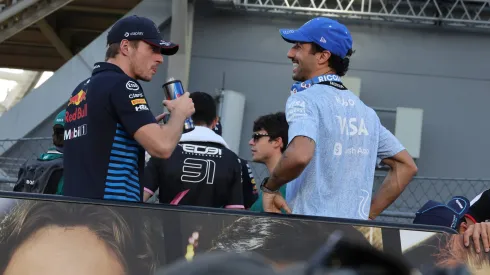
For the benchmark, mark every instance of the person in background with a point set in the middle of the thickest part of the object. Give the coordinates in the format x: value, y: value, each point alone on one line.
x: 202, y: 171
x: 268, y: 142
x: 335, y: 140
x: 45, y: 174
x: 218, y: 129
x: 468, y: 218
x: 250, y: 193
x: 454, y: 214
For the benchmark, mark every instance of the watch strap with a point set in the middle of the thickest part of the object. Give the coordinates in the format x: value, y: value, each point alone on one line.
x: 265, y: 189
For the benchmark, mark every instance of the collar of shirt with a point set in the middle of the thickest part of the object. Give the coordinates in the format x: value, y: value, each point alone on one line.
x: 203, y: 134
x: 106, y: 66
x: 301, y: 86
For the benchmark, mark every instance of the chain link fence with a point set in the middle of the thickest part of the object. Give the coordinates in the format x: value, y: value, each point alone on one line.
x: 418, y: 192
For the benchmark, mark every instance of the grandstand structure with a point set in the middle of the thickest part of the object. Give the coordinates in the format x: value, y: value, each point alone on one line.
x: 467, y: 14
x: 428, y: 54
x: 38, y: 37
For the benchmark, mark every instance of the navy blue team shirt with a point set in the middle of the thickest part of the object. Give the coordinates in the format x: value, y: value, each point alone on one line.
x: 101, y: 158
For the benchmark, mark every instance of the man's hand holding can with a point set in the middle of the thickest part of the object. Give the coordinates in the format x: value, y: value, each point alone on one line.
x: 173, y: 91
x: 182, y: 105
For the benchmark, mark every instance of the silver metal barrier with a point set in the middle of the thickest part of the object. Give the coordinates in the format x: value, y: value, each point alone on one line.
x: 417, y: 193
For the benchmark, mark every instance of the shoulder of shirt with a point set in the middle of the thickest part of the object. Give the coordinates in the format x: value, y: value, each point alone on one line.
x: 482, y: 197
x: 128, y: 82
x: 303, y: 96
x: 229, y: 153
x: 243, y: 161
x: 120, y: 79
x: 81, y: 85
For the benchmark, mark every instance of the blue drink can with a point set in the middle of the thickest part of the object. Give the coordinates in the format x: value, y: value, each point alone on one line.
x: 173, y: 89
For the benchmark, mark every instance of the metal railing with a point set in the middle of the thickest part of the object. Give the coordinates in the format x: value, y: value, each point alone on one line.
x: 418, y: 192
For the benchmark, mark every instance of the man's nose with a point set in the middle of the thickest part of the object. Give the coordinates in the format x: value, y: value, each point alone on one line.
x: 159, y: 58
x: 291, y: 53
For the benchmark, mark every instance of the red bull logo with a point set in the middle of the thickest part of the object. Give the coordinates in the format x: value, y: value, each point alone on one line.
x: 78, y: 98
x: 78, y: 113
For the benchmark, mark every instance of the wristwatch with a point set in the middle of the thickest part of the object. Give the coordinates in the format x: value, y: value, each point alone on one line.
x: 265, y: 189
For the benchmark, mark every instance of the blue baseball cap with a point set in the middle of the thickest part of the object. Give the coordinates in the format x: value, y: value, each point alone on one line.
x: 327, y: 33
x: 448, y: 215
x: 140, y: 28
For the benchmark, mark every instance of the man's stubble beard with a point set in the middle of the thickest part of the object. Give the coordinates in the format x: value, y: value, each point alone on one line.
x: 299, y: 76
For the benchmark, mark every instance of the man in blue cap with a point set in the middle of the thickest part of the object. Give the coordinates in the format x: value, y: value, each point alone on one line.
x: 335, y: 140
x: 45, y: 174
x: 109, y: 124
x: 468, y: 218
x: 454, y: 214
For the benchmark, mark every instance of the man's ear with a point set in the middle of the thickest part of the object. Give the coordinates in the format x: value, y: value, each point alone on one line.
x: 323, y: 57
x: 124, y: 47
x: 462, y: 227
x: 215, y: 122
x: 278, y: 143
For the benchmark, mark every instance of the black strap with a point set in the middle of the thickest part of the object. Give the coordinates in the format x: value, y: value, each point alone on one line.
x: 336, y: 85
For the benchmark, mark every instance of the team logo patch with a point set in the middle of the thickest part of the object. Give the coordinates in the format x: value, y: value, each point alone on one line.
x: 141, y: 108
x: 296, y: 109
x: 305, y: 85
x: 131, y: 85
x: 138, y: 101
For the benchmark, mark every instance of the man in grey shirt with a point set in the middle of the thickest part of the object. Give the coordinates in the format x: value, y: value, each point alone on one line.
x: 335, y: 140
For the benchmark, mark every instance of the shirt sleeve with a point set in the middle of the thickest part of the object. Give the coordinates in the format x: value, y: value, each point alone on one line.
x: 250, y: 193
x: 302, y: 117
x: 129, y: 102
x: 388, y: 145
x: 479, y: 207
x: 151, y: 176
x: 235, y: 200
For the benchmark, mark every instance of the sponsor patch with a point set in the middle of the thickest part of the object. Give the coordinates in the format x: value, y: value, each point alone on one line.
x: 296, y: 110
x: 141, y: 108
x: 75, y: 132
x: 78, y: 98
x: 131, y: 85
x: 138, y: 101
x: 138, y: 95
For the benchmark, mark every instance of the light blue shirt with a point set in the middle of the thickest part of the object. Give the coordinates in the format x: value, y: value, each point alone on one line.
x: 349, y: 142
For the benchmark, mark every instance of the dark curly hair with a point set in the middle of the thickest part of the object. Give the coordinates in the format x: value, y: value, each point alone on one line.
x: 58, y: 132
x: 340, y: 65
x: 205, y: 108
x: 280, y: 240
x: 275, y: 125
